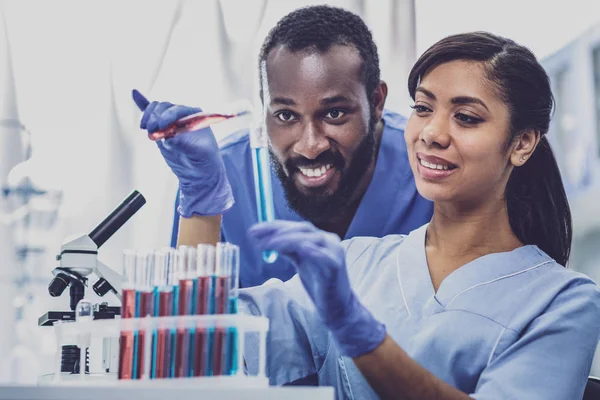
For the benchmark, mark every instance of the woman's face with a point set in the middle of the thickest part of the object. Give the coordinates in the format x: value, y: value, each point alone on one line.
x: 457, y: 136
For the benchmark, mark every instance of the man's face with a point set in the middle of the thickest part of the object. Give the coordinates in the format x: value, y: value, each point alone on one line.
x: 321, y: 127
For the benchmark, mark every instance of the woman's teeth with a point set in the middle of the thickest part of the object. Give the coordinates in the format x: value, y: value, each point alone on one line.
x: 433, y: 166
x: 315, y: 172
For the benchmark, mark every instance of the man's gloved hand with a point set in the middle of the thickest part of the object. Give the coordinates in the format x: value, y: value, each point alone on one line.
x: 193, y: 157
x: 321, y: 264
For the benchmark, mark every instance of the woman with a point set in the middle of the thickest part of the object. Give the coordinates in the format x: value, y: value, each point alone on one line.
x: 476, y: 303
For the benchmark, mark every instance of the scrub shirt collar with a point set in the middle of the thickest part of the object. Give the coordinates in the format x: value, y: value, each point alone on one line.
x: 413, y: 271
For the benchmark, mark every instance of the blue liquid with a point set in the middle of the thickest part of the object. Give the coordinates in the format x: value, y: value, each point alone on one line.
x: 264, y: 192
x: 232, y: 345
x: 192, y: 331
x: 136, y: 337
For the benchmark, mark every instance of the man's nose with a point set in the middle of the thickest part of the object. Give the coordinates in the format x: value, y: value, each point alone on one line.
x: 312, y: 142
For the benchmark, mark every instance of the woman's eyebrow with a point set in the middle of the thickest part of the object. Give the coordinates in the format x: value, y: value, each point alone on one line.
x: 468, y: 100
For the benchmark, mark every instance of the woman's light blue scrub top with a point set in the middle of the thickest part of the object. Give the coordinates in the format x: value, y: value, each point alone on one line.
x: 512, y: 325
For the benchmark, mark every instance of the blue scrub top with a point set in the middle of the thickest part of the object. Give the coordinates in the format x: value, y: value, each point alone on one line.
x: 513, y: 325
x: 391, y: 204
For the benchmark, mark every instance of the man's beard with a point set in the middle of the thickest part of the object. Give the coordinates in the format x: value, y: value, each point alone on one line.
x: 317, y: 206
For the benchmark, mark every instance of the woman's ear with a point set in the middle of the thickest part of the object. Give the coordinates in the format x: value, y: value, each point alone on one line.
x: 524, y: 147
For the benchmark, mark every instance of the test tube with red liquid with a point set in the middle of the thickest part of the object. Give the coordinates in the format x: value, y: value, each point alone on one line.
x: 186, y: 271
x: 163, y: 283
x: 205, y: 256
x: 200, y: 120
x: 128, y: 308
x: 145, y: 304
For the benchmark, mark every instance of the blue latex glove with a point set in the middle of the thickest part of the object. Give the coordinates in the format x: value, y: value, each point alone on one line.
x: 193, y: 157
x: 320, y: 261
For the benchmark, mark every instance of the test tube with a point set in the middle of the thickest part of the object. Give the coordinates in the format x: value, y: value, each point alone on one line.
x: 163, y: 281
x: 186, y: 270
x: 174, y: 311
x: 205, y: 269
x: 234, y: 284
x: 200, y: 120
x: 128, y: 306
x: 145, y: 304
x: 262, y: 181
x: 225, y: 298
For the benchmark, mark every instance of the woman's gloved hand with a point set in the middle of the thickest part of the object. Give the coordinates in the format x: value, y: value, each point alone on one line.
x: 321, y: 264
x: 193, y: 157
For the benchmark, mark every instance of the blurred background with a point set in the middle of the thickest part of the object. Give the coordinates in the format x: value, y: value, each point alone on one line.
x: 71, y: 148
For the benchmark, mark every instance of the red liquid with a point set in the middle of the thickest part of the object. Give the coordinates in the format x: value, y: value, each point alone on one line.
x: 163, y: 346
x: 221, y: 307
x: 146, y: 308
x: 190, y: 123
x: 200, y: 343
x: 221, y: 295
x: 126, y: 337
x: 203, y: 299
x: 186, y: 289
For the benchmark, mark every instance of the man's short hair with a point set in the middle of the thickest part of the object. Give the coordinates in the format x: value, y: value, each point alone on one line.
x: 317, y: 28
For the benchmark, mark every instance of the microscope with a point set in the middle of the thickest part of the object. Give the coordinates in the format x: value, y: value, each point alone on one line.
x: 78, y: 259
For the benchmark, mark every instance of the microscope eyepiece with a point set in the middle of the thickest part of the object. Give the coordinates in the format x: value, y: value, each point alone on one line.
x: 58, y: 284
x: 117, y: 218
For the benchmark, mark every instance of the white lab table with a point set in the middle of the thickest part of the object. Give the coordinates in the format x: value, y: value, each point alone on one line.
x: 88, y: 392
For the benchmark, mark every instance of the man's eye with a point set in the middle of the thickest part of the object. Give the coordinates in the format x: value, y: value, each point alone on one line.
x: 285, y: 116
x: 335, y: 114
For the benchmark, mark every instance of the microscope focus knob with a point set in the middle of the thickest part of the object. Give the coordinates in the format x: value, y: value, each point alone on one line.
x: 101, y: 287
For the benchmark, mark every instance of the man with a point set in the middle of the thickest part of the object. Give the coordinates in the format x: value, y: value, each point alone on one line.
x: 339, y: 160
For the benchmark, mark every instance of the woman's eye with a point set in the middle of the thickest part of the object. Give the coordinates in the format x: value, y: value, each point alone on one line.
x: 335, y: 114
x: 420, y: 108
x: 285, y: 116
x: 467, y: 119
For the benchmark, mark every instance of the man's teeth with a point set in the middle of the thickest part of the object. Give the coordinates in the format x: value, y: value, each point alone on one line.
x: 315, y: 172
x: 433, y: 166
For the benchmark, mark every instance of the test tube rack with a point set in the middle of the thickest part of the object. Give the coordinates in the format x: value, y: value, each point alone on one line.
x: 253, y: 328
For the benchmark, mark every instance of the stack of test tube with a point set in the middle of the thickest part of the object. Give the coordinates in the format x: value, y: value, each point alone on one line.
x: 226, y: 285
x: 164, y: 260
x: 163, y: 285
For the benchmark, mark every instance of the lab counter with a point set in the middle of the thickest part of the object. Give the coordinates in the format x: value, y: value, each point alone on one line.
x: 161, y: 393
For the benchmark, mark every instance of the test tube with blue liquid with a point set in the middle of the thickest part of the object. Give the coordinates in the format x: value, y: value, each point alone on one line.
x: 234, y: 285
x: 259, y: 145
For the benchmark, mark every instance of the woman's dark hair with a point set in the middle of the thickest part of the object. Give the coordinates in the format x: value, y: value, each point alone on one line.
x: 538, y: 209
